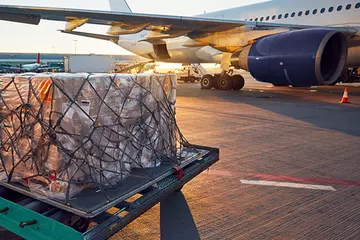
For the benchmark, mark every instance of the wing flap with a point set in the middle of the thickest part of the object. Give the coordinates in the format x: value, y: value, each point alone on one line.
x: 20, y: 18
x: 122, y: 29
x: 73, y: 23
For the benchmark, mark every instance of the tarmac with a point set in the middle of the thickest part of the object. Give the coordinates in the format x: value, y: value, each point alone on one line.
x: 289, y: 165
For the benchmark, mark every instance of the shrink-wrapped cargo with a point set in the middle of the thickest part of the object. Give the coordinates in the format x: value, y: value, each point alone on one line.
x: 62, y: 133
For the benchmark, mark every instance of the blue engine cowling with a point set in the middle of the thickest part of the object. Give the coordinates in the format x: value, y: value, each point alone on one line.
x: 308, y: 57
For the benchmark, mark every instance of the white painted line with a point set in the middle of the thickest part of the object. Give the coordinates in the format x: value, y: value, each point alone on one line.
x: 288, y: 185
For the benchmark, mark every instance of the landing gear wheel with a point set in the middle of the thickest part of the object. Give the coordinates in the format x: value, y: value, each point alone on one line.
x: 225, y: 83
x: 238, y: 82
x: 344, y: 77
x: 207, y: 82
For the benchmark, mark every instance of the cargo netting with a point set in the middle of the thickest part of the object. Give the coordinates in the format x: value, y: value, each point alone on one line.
x: 63, y: 133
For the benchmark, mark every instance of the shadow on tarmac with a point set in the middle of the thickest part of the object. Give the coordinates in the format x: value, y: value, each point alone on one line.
x: 176, y: 220
x: 317, y: 108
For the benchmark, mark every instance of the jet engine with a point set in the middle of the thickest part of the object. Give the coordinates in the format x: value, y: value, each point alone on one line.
x: 307, y: 57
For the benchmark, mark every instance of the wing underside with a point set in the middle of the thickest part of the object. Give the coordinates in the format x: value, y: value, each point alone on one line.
x: 33, y: 15
x: 120, y: 23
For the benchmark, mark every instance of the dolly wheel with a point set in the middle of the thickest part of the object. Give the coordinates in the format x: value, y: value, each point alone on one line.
x: 81, y: 225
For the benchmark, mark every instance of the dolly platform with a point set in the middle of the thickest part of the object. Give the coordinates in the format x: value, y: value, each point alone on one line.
x: 91, y: 218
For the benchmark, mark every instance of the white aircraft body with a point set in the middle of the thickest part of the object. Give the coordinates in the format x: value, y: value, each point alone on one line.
x: 284, y: 42
x: 33, y: 67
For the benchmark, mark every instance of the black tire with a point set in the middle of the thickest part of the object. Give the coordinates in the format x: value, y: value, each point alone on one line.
x: 238, y: 82
x: 82, y: 225
x: 225, y: 83
x: 344, y: 77
x: 207, y: 82
x: 192, y: 79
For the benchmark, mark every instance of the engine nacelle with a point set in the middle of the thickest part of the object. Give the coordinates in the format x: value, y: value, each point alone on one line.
x: 307, y: 57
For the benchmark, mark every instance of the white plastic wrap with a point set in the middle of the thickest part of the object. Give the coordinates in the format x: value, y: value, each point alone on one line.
x: 61, y: 133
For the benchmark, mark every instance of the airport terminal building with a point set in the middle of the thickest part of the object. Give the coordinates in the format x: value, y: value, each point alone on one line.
x: 24, y: 58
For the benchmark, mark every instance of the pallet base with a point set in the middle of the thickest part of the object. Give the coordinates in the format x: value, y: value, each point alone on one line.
x: 54, y: 223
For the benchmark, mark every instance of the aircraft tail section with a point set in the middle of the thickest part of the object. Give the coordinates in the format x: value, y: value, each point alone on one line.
x: 38, y: 60
x: 119, y: 6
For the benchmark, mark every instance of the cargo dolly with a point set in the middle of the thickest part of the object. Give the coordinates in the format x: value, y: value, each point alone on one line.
x: 91, y: 217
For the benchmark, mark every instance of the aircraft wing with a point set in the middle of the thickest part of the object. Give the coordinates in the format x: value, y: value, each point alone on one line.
x: 33, y: 15
x: 126, y: 23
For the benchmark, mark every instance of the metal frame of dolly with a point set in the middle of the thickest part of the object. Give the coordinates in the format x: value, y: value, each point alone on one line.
x: 23, y: 217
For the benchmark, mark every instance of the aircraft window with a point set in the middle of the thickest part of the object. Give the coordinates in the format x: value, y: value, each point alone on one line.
x: 300, y: 13
x: 315, y: 11
x: 293, y: 14
x: 307, y: 12
x: 357, y: 5
x: 267, y: 18
x: 323, y: 10
x: 262, y: 19
x: 280, y: 16
x: 339, y: 8
x: 331, y: 9
x: 348, y: 7
x: 256, y: 19
x: 273, y: 17
x: 286, y: 15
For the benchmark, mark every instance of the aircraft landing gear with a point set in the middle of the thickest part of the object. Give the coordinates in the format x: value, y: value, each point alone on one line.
x: 239, y: 82
x: 349, y: 75
x: 207, y: 82
x: 224, y: 81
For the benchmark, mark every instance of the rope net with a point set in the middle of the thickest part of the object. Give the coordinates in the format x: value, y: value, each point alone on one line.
x: 62, y: 133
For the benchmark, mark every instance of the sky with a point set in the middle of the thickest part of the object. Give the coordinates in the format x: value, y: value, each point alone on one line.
x: 45, y: 38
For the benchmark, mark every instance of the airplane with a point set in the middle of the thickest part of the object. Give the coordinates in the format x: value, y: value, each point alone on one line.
x: 283, y: 42
x: 6, y: 68
x: 33, y: 67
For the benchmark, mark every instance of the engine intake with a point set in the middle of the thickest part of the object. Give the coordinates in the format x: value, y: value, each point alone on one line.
x: 307, y: 57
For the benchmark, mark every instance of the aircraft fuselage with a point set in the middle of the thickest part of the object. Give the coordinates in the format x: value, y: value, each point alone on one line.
x: 307, y: 12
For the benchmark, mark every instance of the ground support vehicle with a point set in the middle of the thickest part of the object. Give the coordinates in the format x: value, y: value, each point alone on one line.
x: 191, y: 73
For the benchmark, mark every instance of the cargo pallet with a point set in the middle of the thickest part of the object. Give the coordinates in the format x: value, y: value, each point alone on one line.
x: 35, y: 218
